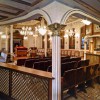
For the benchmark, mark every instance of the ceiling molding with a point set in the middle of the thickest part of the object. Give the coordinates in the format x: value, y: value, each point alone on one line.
x: 36, y: 2
x: 27, y: 3
x: 84, y: 4
x: 10, y: 7
x: 10, y: 13
x: 98, y: 0
x: 22, y: 2
x: 3, y: 17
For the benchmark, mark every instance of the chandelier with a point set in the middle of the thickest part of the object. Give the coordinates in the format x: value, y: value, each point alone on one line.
x: 70, y: 32
x: 26, y: 31
x: 25, y: 37
x: 42, y: 29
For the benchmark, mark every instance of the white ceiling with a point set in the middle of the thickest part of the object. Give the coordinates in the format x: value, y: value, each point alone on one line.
x: 14, y: 8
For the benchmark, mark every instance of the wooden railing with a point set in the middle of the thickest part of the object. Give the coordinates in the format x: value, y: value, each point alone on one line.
x: 64, y: 52
x: 21, y: 83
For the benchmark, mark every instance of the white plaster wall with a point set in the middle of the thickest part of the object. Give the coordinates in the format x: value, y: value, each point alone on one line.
x: 66, y: 43
x: 39, y: 42
x: 25, y: 43
x: 2, y: 41
x: 30, y: 42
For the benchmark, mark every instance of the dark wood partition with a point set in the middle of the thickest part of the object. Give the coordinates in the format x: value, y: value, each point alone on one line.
x: 20, y: 83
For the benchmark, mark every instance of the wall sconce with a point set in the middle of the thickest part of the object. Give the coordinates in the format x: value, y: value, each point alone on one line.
x: 66, y: 36
x: 50, y: 39
x: 3, y: 36
x: 1, y: 33
x: 77, y: 35
x: 49, y: 32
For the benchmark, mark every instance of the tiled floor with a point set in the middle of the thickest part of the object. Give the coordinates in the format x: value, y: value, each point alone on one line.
x: 92, y: 94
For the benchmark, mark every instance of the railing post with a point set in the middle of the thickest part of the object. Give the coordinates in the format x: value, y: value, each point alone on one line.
x: 50, y: 89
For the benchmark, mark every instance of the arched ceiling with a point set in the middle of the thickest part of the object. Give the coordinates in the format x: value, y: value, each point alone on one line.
x: 10, y: 9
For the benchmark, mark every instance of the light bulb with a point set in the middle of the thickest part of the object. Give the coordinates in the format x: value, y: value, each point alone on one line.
x: 87, y: 22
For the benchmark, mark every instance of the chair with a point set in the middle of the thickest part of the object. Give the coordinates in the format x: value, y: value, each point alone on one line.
x: 29, y: 63
x: 64, y: 60
x: 36, y: 65
x: 49, y: 62
x: 98, y: 77
x: 89, y: 75
x: 20, y: 62
x: 49, y: 69
x: 68, y: 82
x: 46, y: 65
x: 76, y: 59
x: 63, y: 68
x: 86, y: 63
x: 82, y: 63
x: 80, y: 78
x: 95, y: 71
x: 67, y: 66
x: 43, y: 65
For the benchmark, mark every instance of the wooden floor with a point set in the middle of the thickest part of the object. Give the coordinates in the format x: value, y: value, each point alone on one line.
x: 92, y: 94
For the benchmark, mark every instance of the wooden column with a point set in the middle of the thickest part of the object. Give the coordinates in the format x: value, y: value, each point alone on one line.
x: 56, y: 61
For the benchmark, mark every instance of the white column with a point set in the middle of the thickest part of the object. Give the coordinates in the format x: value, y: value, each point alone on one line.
x: 6, y: 38
x: 84, y: 50
x: 45, y: 45
x: 11, y: 40
x: 56, y: 61
x: 56, y: 72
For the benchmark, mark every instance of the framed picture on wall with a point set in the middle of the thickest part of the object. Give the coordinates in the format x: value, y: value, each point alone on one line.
x: 88, y: 29
x: 96, y: 28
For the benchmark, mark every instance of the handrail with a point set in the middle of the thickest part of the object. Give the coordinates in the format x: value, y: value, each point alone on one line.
x: 27, y: 70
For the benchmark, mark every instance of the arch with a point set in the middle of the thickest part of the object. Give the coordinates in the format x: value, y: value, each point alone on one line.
x: 74, y: 11
x: 32, y: 13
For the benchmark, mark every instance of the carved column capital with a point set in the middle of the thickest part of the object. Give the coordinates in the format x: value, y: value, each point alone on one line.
x: 56, y: 28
